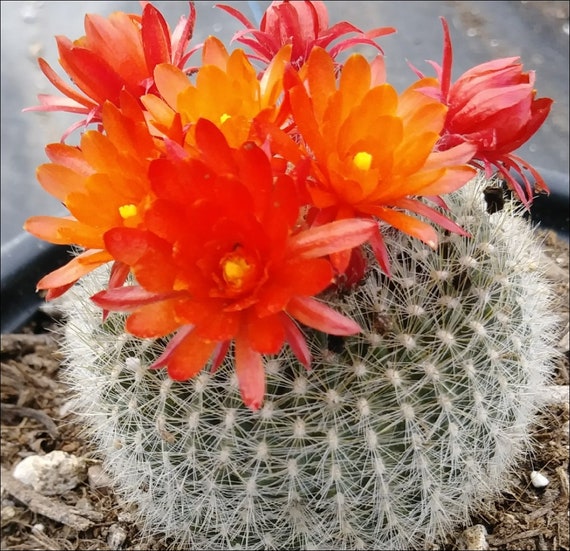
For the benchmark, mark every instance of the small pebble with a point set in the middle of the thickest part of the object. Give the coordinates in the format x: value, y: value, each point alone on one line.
x: 52, y: 474
x: 38, y: 529
x: 117, y: 536
x: 8, y: 512
x: 538, y: 480
x: 474, y: 538
x: 98, y: 479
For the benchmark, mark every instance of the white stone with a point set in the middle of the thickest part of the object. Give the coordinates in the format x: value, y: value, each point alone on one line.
x: 117, y: 536
x: 474, y: 538
x: 38, y: 529
x: 52, y: 474
x: 538, y: 480
x: 98, y: 478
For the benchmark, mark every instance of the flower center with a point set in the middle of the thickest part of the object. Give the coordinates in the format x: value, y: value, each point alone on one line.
x: 224, y: 117
x: 236, y: 270
x: 362, y: 160
x: 127, y: 211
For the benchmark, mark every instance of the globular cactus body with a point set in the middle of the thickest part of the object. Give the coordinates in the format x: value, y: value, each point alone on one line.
x: 392, y: 438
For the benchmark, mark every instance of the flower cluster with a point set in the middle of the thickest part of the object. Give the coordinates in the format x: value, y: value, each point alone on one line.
x: 237, y: 191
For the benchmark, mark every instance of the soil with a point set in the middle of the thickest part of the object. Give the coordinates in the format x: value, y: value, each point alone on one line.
x: 35, y: 421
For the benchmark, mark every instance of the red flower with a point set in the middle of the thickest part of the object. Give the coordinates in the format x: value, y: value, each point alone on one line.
x: 303, y: 24
x: 103, y: 183
x: 222, y: 260
x: 116, y: 53
x: 493, y: 106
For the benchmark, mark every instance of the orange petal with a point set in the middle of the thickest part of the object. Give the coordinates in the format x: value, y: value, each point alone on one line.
x: 160, y: 112
x: 59, y: 180
x: 355, y: 77
x: 74, y: 269
x: 170, y: 82
x: 322, y: 79
x: 118, y: 42
x: 453, y: 179
x: 271, y: 83
x: 64, y: 231
x: 410, y: 225
x: 214, y: 53
x: 306, y: 122
x: 98, y: 151
x: 69, y: 156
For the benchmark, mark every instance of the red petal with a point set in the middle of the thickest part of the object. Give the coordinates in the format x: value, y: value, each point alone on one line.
x: 154, y: 320
x: 90, y: 73
x: 119, y: 274
x: 63, y: 87
x: 265, y: 335
x: 435, y: 216
x: 56, y: 292
x: 316, y: 273
x: 380, y: 252
x: 126, y: 299
x: 149, y: 256
x: 164, y: 358
x: 250, y: 373
x: 446, y: 62
x: 332, y: 237
x: 237, y: 14
x: 181, y: 37
x: 315, y: 314
x: 214, y: 148
x: 155, y: 37
x: 296, y: 340
x: 189, y: 357
x: 219, y: 355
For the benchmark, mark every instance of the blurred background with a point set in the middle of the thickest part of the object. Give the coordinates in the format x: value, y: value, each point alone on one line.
x: 536, y: 31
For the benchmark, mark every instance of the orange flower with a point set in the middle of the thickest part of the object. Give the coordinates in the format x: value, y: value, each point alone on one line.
x: 494, y: 107
x: 221, y: 260
x: 304, y: 25
x: 227, y: 92
x: 116, y: 53
x: 103, y: 183
x: 373, y: 150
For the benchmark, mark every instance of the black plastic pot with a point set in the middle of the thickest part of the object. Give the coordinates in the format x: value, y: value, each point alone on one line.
x: 26, y: 259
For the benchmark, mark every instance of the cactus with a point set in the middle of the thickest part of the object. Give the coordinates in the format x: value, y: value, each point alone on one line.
x: 395, y: 436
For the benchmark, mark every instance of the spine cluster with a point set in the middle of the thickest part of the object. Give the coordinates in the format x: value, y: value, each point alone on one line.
x: 395, y: 435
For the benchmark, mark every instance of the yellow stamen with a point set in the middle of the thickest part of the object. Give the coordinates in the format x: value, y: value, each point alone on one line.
x: 362, y: 160
x: 224, y: 118
x: 128, y: 211
x: 235, y: 268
